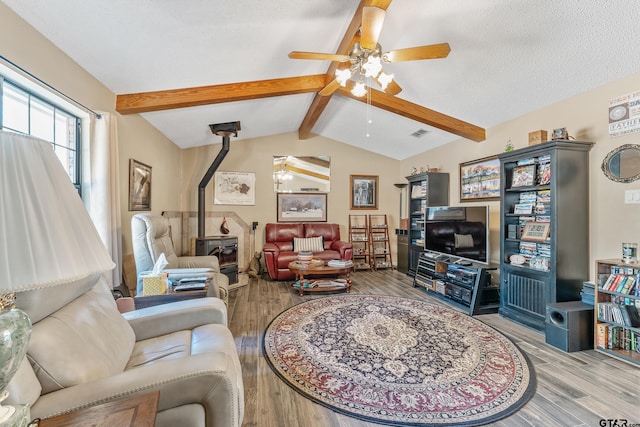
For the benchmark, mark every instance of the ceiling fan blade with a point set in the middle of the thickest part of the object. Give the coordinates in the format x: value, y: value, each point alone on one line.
x: 372, y: 19
x: 320, y: 56
x: 415, y: 53
x: 330, y: 88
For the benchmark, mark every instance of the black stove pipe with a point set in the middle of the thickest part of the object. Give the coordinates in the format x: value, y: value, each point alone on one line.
x: 205, y: 180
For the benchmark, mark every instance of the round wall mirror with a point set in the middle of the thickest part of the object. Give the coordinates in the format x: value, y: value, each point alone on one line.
x: 623, y: 163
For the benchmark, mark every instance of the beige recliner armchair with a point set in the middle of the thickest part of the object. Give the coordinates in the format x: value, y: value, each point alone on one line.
x: 83, y: 352
x: 150, y: 237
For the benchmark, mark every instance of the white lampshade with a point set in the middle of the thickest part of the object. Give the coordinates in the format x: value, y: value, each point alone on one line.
x: 46, y: 239
x: 359, y: 89
x: 342, y: 76
x: 46, y: 236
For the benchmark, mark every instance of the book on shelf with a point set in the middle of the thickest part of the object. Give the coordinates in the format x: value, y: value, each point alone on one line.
x: 622, y: 283
x: 305, y: 284
x: 329, y: 283
x: 622, y: 314
x: 588, y: 293
x: 528, y: 197
x: 602, y: 335
x: 613, y: 337
x: 543, y: 173
x: 587, y: 299
x: 631, y: 315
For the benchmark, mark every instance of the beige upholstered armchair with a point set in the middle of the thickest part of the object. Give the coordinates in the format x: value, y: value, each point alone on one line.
x: 83, y: 352
x: 150, y: 238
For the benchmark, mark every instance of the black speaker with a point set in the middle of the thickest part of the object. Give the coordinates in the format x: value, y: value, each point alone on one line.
x: 569, y: 326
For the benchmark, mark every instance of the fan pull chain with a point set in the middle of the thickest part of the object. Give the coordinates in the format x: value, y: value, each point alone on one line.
x: 369, y: 121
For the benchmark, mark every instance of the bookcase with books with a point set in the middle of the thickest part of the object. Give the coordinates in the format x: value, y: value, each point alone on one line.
x: 617, y: 300
x: 544, y: 228
x: 425, y: 189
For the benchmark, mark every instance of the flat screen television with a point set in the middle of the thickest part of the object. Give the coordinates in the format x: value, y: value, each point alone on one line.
x: 460, y: 233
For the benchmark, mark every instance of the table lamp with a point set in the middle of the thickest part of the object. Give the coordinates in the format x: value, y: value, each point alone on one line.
x: 46, y: 239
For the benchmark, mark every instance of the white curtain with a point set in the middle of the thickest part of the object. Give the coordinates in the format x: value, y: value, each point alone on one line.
x: 101, y: 191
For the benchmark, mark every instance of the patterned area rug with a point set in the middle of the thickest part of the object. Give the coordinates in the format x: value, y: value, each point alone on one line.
x: 398, y: 361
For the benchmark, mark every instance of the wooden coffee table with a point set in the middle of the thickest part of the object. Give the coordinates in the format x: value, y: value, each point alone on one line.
x: 322, y: 270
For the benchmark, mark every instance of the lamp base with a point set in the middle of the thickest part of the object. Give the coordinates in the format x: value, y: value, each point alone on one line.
x: 15, y: 416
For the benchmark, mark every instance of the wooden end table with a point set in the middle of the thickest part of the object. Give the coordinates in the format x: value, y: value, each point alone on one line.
x: 301, y: 271
x: 137, y: 410
x: 170, y: 296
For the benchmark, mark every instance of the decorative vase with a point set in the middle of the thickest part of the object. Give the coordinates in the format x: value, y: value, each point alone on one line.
x: 223, y: 227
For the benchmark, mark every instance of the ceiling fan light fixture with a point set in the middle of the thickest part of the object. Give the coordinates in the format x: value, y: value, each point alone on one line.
x: 384, y: 79
x: 342, y: 76
x: 359, y: 90
x: 372, y: 67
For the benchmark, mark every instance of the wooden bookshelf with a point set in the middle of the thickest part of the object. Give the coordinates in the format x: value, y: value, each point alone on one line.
x: 627, y: 345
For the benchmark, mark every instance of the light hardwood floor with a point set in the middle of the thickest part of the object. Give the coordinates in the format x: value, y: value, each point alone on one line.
x: 573, y: 389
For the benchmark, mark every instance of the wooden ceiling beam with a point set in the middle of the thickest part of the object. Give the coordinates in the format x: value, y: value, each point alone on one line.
x: 319, y: 103
x: 419, y: 113
x: 145, y: 102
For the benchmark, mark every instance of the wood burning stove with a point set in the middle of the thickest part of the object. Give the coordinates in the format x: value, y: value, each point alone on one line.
x: 225, y: 248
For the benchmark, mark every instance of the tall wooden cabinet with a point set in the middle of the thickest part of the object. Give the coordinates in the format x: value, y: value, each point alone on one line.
x: 425, y: 189
x: 544, y: 228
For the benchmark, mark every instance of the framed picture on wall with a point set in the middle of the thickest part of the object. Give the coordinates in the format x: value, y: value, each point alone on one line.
x: 139, y: 186
x: 234, y: 188
x: 302, y: 207
x: 364, y: 191
x: 480, y: 179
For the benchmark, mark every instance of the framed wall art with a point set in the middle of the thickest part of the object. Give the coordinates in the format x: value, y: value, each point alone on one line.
x: 234, y: 188
x: 302, y: 207
x: 364, y: 191
x: 139, y: 186
x: 480, y: 179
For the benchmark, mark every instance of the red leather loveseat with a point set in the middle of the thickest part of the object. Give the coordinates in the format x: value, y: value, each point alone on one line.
x: 279, y: 251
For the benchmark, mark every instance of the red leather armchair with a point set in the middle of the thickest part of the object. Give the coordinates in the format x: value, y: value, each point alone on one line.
x: 278, y: 247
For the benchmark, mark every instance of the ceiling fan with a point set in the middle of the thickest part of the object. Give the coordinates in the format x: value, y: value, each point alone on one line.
x: 365, y: 57
x: 359, y: 42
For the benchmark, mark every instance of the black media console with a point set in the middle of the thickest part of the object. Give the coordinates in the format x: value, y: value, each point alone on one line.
x: 467, y: 287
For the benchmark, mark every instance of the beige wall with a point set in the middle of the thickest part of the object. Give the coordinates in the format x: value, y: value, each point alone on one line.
x: 176, y: 173
x: 586, y: 118
x: 256, y: 155
x: 27, y: 48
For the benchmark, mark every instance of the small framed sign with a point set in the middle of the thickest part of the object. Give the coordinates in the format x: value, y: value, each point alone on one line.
x: 536, y: 231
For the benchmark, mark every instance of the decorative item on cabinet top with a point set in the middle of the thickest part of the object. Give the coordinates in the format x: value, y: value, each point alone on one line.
x: 537, y: 137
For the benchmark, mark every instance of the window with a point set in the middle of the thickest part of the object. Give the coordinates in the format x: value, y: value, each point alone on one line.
x: 25, y: 112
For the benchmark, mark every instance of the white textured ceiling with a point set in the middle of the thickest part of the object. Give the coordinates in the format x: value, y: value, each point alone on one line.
x: 508, y: 57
